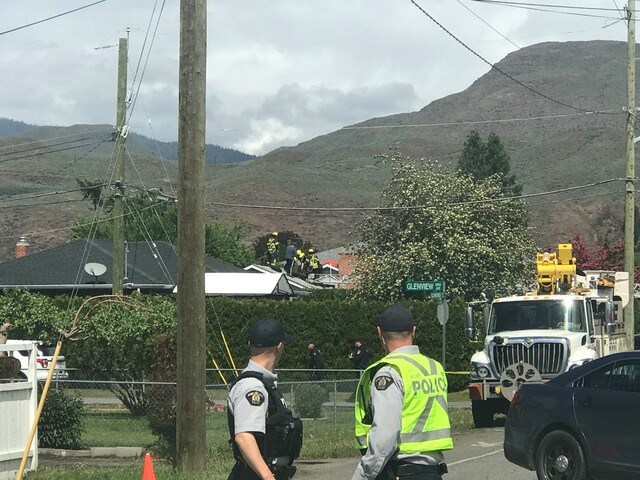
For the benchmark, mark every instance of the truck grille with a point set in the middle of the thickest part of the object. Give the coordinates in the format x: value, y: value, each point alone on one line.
x: 548, y: 358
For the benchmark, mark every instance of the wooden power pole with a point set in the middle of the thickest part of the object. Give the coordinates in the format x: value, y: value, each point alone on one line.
x: 191, y: 343
x: 117, y: 257
x: 629, y: 205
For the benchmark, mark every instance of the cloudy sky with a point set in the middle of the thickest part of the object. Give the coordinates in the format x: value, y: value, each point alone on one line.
x: 279, y: 72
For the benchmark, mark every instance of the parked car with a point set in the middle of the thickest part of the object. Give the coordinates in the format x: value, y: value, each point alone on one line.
x: 44, y: 358
x: 582, y: 424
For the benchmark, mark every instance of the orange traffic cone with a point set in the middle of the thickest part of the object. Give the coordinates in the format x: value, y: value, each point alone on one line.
x: 147, y: 470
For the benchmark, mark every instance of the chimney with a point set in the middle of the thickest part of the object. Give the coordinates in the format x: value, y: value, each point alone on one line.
x: 22, y: 247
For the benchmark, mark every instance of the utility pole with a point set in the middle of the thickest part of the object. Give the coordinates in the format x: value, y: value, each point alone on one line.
x: 191, y: 342
x: 629, y: 203
x: 117, y: 256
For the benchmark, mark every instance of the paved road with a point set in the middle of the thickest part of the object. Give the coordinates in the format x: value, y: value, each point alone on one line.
x: 477, y: 456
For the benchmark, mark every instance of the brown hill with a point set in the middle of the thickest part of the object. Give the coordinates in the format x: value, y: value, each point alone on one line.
x: 339, y: 169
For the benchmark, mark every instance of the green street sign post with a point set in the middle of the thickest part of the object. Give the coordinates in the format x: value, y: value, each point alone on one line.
x: 435, y: 288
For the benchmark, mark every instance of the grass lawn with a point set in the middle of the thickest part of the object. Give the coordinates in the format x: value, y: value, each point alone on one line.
x: 323, y: 438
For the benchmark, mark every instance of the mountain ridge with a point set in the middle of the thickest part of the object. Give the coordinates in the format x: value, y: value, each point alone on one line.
x: 340, y: 169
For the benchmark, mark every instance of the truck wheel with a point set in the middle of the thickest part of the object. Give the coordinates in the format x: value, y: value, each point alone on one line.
x: 560, y: 457
x: 482, y: 412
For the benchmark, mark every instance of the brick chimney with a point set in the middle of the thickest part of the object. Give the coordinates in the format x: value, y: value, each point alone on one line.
x: 22, y: 247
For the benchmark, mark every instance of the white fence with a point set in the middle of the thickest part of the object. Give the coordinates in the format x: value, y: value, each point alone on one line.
x: 18, y: 404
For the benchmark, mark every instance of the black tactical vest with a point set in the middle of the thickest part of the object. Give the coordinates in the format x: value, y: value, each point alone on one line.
x: 283, y: 437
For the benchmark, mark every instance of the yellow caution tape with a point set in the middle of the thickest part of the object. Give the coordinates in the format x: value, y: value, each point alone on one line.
x: 458, y: 373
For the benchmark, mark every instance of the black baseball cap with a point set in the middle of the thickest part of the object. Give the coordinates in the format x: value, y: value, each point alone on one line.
x: 312, y: 342
x: 395, y: 318
x: 267, y: 332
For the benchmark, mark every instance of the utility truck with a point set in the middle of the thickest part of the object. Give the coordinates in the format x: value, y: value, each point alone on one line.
x: 571, y: 318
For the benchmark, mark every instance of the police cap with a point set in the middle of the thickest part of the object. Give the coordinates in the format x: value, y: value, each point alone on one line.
x: 395, y: 318
x: 267, y: 332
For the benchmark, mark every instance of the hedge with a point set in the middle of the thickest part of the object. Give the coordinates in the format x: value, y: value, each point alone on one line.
x: 334, y: 324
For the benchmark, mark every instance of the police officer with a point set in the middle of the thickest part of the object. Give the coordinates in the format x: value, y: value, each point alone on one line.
x: 264, y: 435
x: 316, y: 362
x: 359, y: 356
x: 402, y: 425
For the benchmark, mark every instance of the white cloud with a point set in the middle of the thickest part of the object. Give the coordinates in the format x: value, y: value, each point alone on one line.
x: 279, y: 72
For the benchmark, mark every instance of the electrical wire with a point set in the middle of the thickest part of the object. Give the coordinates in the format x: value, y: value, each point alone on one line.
x: 488, y: 24
x: 40, y: 195
x: 560, y: 12
x: 45, y: 153
x: 512, y: 78
x: 47, y: 146
x: 144, y: 68
x: 549, y: 5
x: 420, y: 207
x: 42, y: 204
x: 51, y: 18
x: 480, y: 122
x: 49, y: 139
x: 144, y: 43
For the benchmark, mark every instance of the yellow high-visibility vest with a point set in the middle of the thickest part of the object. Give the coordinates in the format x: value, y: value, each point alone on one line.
x: 425, y: 422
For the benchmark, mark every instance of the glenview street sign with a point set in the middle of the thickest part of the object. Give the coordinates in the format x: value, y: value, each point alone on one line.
x: 435, y: 288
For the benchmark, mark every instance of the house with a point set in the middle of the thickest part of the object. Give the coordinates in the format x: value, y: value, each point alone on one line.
x: 337, y: 266
x: 245, y: 284
x: 84, y: 266
x: 299, y: 286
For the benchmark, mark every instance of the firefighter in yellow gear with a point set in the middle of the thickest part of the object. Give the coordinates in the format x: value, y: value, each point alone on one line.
x: 314, y: 263
x: 272, y: 249
x: 401, y: 421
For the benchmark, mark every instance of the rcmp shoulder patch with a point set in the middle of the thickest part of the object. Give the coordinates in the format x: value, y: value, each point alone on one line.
x: 255, y: 398
x: 383, y: 382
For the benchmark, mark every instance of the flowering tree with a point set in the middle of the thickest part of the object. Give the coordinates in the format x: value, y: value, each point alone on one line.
x: 447, y: 227
x: 603, y: 257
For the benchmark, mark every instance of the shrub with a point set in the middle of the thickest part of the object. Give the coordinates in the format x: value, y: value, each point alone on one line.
x: 60, y: 424
x: 308, y: 399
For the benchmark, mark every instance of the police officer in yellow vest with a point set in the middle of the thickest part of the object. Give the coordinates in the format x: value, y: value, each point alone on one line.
x: 401, y: 425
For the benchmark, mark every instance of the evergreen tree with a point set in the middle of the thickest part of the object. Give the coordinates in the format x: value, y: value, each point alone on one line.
x: 481, y: 160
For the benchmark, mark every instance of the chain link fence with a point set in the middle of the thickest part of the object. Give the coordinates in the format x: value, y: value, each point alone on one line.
x: 316, y: 393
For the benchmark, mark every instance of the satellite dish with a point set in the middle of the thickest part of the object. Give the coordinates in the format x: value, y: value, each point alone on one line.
x: 95, y: 269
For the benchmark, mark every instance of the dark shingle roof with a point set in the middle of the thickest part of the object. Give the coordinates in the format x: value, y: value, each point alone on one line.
x: 62, y: 265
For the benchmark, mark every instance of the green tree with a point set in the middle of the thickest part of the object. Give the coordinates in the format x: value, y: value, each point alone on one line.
x: 147, y: 218
x: 31, y: 316
x: 447, y: 227
x: 260, y: 244
x: 481, y: 160
x: 227, y: 243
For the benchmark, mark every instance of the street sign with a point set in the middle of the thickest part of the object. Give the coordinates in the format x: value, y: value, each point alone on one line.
x: 443, y: 312
x: 435, y: 288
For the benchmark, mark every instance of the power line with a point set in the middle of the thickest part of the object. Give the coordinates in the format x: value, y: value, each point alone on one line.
x: 46, y: 153
x: 488, y: 24
x: 49, y: 139
x: 47, y: 194
x: 47, y: 146
x: 536, y: 92
x: 560, y: 12
x: 146, y: 61
x: 419, y: 207
x: 480, y: 122
x: 62, y: 229
x: 144, y: 43
x: 548, y: 5
x: 51, y: 18
x: 42, y: 204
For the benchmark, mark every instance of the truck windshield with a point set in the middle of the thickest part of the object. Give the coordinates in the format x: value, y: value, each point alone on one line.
x: 538, y: 315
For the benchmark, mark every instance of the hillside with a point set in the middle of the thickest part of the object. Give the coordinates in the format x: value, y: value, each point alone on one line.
x: 138, y: 144
x: 339, y: 169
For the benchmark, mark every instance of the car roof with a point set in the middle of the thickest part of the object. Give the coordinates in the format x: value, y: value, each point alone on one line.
x: 578, y: 372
